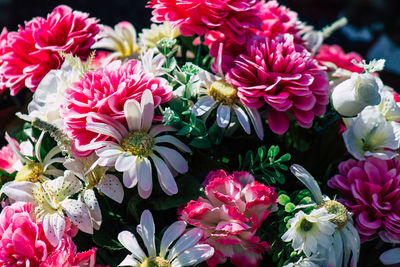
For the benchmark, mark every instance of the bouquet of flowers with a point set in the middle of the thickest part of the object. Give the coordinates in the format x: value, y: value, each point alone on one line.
x: 202, y: 132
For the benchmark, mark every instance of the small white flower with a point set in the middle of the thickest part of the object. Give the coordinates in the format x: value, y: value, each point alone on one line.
x: 388, y: 106
x: 185, y: 252
x: 351, y: 96
x: 137, y: 145
x: 370, y: 134
x: 151, y: 63
x: 309, y: 232
x: 52, y: 203
x: 150, y: 37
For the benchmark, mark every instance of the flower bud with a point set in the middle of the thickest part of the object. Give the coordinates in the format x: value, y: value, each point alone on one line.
x: 351, y: 96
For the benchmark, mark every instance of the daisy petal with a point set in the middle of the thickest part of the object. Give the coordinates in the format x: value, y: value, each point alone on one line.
x: 172, y: 140
x: 173, y: 158
x: 157, y: 129
x: 188, y: 240
x: 129, y: 261
x: 128, y: 240
x: 124, y: 162
x: 146, y: 231
x: 171, y: 234
x: 133, y: 115
x: 130, y: 177
x: 223, y: 115
x: 243, y: 119
x: 204, y: 104
x: 193, y: 256
x: 147, y: 105
x: 144, y: 173
x: 165, y: 178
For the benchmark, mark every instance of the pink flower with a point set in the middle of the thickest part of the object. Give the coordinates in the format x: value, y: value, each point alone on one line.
x: 28, y: 54
x: 231, y: 17
x: 8, y: 158
x: 281, y: 74
x: 335, y: 54
x: 104, y: 92
x: 371, y: 189
x: 234, y: 208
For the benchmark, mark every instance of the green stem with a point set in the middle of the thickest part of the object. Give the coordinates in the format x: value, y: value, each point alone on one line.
x: 198, y: 54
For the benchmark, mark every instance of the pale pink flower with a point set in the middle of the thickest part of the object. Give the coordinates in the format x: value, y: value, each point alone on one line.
x: 372, y: 193
x: 234, y: 208
x: 281, y: 74
x: 136, y: 146
x: 104, y: 92
x: 28, y: 54
x: 8, y: 157
x: 231, y: 17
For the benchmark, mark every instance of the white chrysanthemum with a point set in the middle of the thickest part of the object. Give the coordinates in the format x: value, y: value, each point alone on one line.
x: 185, y: 252
x: 136, y: 146
x: 346, y: 241
x: 95, y: 177
x: 52, y: 203
x: 149, y: 37
x: 388, y: 106
x: 309, y: 232
x: 215, y: 93
x: 370, y: 134
x: 40, y: 170
x: 121, y: 40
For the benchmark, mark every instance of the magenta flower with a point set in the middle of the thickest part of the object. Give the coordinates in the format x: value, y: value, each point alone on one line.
x: 334, y: 54
x: 234, y: 208
x: 104, y: 92
x: 28, y: 54
x: 8, y: 157
x: 371, y: 189
x: 281, y: 74
x: 231, y: 17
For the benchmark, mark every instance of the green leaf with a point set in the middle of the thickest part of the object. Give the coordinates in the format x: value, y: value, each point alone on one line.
x: 102, y: 239
x: 283, y: 199
x: 289, y: 207
x: 184, y: 131
x: 285, y: 157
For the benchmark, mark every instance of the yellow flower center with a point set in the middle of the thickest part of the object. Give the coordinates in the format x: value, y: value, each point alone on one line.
x: 30, y: 172
x: 139, y: 144
x: 155, y: 262
x: 334, y: 207
x: 223, y: 92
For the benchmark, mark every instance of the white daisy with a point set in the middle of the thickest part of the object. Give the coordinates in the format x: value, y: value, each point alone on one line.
x: 185, y: 252
x: 52, y: 202
x: 150, y: 37
x: 40, y: 170
x: 95, y: 177
x: 136, y: 146
x: 346, y: 241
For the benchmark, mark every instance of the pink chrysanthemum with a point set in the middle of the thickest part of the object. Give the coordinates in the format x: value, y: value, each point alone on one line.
x: 104, y: 92
x: 335, y: 54
x: 30, y: 53
x: 371, y: 189
x: 231, y: 17
x: 234, y: 208
x: 8, y: 157
x: 281, y: 74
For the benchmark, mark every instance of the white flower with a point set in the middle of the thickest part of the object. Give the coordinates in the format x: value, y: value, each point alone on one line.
x: 137, y: 145
x: 150, y: 37
x: 95, y: 177
x: 370, y: 134
x: 30, y: 170
x: 215, y: 93
x: 309, y: 232
x: 185, y: 252
x: 312, y: 261
x: 151, y: 63
x: 121, y: 40
x: 346, y: 240
x: 49, y: 95
x: 51, y: 199
x: 351, y: 96
x: 388, y: 106
x: 392, y: 256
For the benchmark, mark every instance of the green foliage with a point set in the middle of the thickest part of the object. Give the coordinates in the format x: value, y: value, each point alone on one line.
x: 265, y: 165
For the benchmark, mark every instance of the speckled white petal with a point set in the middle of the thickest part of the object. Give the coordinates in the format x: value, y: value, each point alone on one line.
x: 79, y: 214
x: 53, y: 227
x: 89, y: 198
x: 111, y: 187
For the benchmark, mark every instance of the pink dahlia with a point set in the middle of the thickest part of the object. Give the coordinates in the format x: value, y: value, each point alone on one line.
x: 28, y: 54
x: 231, y: 17
x: 281, y: 74
x: 234, y: 208
x: 8, y: 157
x: 104, y: 91
x: 335, y: 54
x: 371, y: 189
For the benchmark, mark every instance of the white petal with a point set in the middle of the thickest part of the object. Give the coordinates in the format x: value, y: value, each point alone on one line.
x: 144, y: 173
x: 130, y: 177
x: 172, y: 140
x: 165, y: 178
x: 256, y: 120
x: 111, y: 186
x: 157, y: 129
x: 128, y: 240
x: 243, y: 119
x: 54, y: 151
x: 109, y: 121
x: 65, y: 186
x: 53, y: 227
x: 171, y: 234
x: 129, y: 261
x: 147, y: 105
x: 124, y: 162
x: 52, y: 161
x: 392, y: 256
x: 308, y: 180
x: 79, y: 215
x: 146, y: 231
x: 97, y: 145
x: 109, y: 152
x: 145, y: 194
x: 133, y: 115
x: 76, y: 167
x: 204, y: 104
x: 15, y: 149
x: 91, y: 202
x: 193, y: 256
x: 223, y: 115
x: 37, y: 146
x: 188, y: 240
x: 174, y: 158
x: 104, y: 129
x: 19, y: 191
